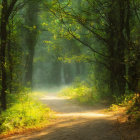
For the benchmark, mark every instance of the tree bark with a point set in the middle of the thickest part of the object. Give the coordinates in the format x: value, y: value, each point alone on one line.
x: 30, y: 39
x: 3, y: 48
x: 5, y: 14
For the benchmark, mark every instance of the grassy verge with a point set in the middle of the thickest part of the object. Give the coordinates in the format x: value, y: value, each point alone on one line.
x: 131, y: 108
x: 85, y: 94
x: 81, y: 92
x: 24, y: 112
x: 128, y: 120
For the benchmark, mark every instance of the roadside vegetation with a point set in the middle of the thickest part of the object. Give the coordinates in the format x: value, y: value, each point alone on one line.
x: 47, y: 43
x: 81, y: 92
x: 24, y: 112
x: 130, y: 105
x: 85, y: 93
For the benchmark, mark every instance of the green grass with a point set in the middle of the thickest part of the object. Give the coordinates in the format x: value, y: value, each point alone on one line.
x: 81, y: 92
x: 24, y: 112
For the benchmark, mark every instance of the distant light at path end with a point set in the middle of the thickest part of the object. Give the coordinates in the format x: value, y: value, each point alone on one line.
x: 53, y: 98
x: 87, y: 114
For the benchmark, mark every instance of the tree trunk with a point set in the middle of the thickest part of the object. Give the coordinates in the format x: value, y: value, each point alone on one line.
x: 116, y: 47
x: 3, y: 48
x: 30, y: 39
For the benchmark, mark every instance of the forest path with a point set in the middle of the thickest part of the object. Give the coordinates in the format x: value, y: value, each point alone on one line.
x: 74, y: 122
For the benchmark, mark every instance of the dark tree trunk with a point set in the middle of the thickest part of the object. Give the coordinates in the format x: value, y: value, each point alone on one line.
x: 3, y: 48
x: 10, y: 60
x: 122, y: 45
x: 5, y: 14
x: 116, y: 47
x: 133, y: 67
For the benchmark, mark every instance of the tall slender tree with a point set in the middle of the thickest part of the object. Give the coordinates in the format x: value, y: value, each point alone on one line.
x: 31, y: 26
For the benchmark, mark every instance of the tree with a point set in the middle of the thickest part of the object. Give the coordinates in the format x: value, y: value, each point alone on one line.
x: 108, y: 22
x: 5, y: 14
x: 31, y: 33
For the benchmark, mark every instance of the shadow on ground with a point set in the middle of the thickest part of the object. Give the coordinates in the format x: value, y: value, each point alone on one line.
x: 75, y: 122
x: 77, y: 129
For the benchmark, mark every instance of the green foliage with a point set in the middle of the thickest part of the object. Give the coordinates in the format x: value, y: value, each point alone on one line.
x: 99, y: 78
x: 132, y: 109
x: 82, y: 92
x: 128, y: 100
x: 124, y: 100
x: 24, y: 113
x: 113, y: 107
x: 78, y: 32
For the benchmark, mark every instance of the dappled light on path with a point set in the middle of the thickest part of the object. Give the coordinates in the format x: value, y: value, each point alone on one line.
x: 51, y: 97
x: 86, y: 114
x: 74, y: 122
x: 63, y: 106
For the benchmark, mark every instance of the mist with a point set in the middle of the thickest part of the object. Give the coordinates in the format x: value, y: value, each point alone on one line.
x: 50, y: 72
x: 65, y: 62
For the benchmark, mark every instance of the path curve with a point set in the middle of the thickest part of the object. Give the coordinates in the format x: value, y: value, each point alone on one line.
x: 74, y: 122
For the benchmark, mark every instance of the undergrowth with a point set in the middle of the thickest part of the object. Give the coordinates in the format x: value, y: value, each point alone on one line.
x: 82, y: 92
x: 132, y: 108
x: 24, y: 112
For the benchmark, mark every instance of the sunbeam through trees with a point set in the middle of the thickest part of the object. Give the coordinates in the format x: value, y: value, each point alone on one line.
x: 88, y: 48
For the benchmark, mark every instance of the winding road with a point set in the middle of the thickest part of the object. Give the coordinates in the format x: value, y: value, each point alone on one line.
x: 74, y: 122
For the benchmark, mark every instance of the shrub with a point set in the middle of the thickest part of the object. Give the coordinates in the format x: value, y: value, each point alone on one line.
x: 82, y: 92
x: 24, y: 113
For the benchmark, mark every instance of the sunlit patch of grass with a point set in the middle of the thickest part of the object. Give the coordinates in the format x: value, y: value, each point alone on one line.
x: 24, y: 113
x: 114, y: 107
x: 37, y: 94
x: 81, y: 92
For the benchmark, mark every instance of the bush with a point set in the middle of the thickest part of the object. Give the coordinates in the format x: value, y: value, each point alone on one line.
x: 25, y: 113
x: 82, y: 92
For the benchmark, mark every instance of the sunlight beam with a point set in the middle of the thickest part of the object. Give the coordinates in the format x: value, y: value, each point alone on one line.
x: 82, y: 114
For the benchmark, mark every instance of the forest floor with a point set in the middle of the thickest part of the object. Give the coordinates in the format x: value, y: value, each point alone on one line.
x: 75, y: 122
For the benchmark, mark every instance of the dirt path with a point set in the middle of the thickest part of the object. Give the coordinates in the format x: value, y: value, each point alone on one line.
x: 74, y: 122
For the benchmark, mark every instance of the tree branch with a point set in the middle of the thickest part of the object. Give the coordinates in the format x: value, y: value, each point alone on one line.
x: 10, y: 9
